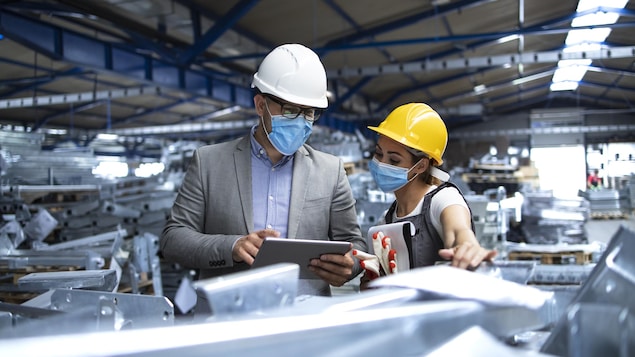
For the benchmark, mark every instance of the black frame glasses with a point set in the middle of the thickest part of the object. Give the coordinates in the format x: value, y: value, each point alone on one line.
x: 291, y: 111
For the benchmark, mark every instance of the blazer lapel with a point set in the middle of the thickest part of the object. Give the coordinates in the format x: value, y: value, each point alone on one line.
x: 242, y: 161
x: 301, y: 172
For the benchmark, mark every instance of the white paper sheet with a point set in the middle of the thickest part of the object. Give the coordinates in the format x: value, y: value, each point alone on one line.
x: 451, y: 282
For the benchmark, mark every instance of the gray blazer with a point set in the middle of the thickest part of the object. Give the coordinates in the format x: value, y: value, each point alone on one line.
x: 214, y: 208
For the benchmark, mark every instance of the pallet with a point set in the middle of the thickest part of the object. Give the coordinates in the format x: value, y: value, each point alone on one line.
x: 17, y: 298
x: 560, y: 258
x: 145, y: 287
x: 609, y: 215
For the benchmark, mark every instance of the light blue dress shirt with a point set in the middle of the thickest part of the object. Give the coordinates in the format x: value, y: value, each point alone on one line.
x: 271, y: 188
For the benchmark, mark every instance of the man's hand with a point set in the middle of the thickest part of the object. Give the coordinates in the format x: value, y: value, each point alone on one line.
x: 467, y: 255
x: 335, y: 269
x: 247, y: 247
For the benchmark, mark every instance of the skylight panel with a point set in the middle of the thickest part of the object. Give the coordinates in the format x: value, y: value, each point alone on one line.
x: 584, y: 5
x: 599, y: 18
x: 589, y: 35
x: 562, y: 86
x: 570, y: 72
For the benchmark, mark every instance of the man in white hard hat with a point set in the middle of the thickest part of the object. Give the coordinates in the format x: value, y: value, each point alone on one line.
x: 268, y: 183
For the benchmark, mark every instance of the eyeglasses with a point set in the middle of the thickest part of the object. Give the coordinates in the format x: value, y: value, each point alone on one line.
x: 291, y: 111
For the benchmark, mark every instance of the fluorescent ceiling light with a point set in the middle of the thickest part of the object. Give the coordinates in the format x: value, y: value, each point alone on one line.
x: 104, y: 136
x: 508, y: 38
x: 110, y: 169
x: 54, y: 131
x: 479, y: 88
x: 219, y: 113
x: 149, y: 169
x: 533, y: 77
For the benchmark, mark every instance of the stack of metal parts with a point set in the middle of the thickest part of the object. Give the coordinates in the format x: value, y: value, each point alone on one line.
x: 62, y: 311
x: 608, y: 203
x: 256, y: 312
x: 550, y: 220
x: 432, y: 311
x: 349, y: 148
x: 139, y: 205
x: 29, y: 265
x: 371, y: 202
x: 491, y: 217
x: 93, y: 227
x: 484, y: 220
x: 491, y: 172
x: 559, y: 264
x: 26, y: 164
x: 24, y: 255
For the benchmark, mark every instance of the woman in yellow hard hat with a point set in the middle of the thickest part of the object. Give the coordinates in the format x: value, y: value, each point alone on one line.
x: 411, y: 144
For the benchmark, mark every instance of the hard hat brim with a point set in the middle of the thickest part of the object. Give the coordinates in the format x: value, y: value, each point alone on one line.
x: 403, y: 141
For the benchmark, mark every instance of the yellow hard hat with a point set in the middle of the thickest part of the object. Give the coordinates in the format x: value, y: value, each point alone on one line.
x: 417, y: 126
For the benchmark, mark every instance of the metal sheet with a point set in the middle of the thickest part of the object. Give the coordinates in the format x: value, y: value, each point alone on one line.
x: 612, y: 282
x: 103, y: 280
x: 399, y: 331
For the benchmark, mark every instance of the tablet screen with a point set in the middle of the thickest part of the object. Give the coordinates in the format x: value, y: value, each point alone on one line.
x: 298, y: 251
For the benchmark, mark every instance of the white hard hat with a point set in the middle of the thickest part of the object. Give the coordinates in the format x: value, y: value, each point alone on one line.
x: 294, y: 73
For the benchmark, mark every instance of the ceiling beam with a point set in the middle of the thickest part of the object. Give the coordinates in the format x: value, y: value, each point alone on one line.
x: 213, y: 33
x: 68, y: 98
x: 466, y: 37
x: 176, y: 129
x: 557, y: 130
x: 399, y: 23
x: 72, y: 47
x: 481, y: 62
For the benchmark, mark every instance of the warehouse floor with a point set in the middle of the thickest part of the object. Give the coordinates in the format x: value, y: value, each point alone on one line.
x: 602, y: 230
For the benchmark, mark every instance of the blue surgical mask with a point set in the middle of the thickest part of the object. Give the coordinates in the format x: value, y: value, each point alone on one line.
x: 389, y: 178
x: 287, y: 135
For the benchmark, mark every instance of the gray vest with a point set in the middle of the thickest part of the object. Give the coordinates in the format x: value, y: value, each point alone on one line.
x: 426, y: 243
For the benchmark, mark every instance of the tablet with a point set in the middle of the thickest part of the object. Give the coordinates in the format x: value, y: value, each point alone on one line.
x: 298, y: 251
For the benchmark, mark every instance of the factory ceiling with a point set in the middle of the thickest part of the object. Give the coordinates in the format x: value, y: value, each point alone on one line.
x: 182, y: 68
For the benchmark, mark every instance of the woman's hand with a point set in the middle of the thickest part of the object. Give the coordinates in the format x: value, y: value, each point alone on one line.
x: 467, y: 255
